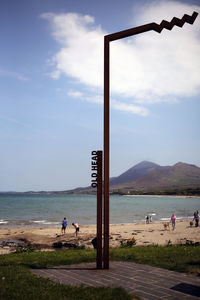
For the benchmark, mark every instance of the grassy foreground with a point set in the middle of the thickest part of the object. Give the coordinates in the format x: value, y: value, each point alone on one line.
x: 17, y: 281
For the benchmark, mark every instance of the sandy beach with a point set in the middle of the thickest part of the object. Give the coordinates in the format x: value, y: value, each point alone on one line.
x: 145, y: 234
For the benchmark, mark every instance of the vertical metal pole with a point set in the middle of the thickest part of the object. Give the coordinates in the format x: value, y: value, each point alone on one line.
x: 99, y: 210
x: 106, y: 152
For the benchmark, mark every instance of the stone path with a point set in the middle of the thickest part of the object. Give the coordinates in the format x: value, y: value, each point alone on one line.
x: 144, y: 281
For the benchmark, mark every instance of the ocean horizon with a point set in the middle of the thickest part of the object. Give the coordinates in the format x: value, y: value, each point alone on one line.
x: 27, y: 210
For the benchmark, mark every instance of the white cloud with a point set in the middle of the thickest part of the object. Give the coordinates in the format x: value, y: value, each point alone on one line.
x: 81, y: 51
x: 146, y: 69
x: 115, y: 104
x: 131, y: 108
x: 94, y: 99
x: 74, y: 94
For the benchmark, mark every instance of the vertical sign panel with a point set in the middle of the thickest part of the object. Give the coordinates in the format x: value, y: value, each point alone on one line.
x: 99, y: 210
x: 96, y: 182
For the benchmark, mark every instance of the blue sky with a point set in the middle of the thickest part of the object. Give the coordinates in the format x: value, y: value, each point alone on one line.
x: 51, y: 89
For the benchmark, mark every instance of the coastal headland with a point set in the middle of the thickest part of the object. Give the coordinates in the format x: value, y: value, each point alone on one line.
x: 50, y: 238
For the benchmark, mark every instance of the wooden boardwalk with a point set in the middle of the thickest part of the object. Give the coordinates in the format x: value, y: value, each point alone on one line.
x: 144, y: 281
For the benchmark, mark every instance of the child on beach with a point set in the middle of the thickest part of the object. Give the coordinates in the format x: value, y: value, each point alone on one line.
x: 76, y: 226
x: 173, y: 220
x: 64, y: 225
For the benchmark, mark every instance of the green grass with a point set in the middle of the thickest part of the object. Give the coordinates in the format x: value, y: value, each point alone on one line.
x: 18, y: 282
x: 46, y: 259
x: 181, y: 258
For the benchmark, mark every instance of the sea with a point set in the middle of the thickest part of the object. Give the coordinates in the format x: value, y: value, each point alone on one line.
x: 38, y: 210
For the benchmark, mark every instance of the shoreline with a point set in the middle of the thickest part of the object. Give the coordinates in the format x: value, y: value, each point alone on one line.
x: 37, y: 224
x: 47, y: 223
x: 43, y: 238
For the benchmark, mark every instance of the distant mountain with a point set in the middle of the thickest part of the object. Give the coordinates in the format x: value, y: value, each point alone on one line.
x: 137, y: 171
x: 148, y: 178
x: 179, y: 176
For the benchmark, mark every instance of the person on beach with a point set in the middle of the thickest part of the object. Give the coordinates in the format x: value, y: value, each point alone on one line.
x: 76, y: 226
x: 173, y: 220
x: 196, y: 218
x: 64, y: 225
x: 147, y: 219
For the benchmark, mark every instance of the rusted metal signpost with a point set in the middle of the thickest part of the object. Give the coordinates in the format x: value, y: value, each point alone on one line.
x: 96, y: 182
x: 107, y: 39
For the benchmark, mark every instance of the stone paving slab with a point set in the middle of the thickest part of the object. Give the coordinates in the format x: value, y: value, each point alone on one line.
x: 144, y: 281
